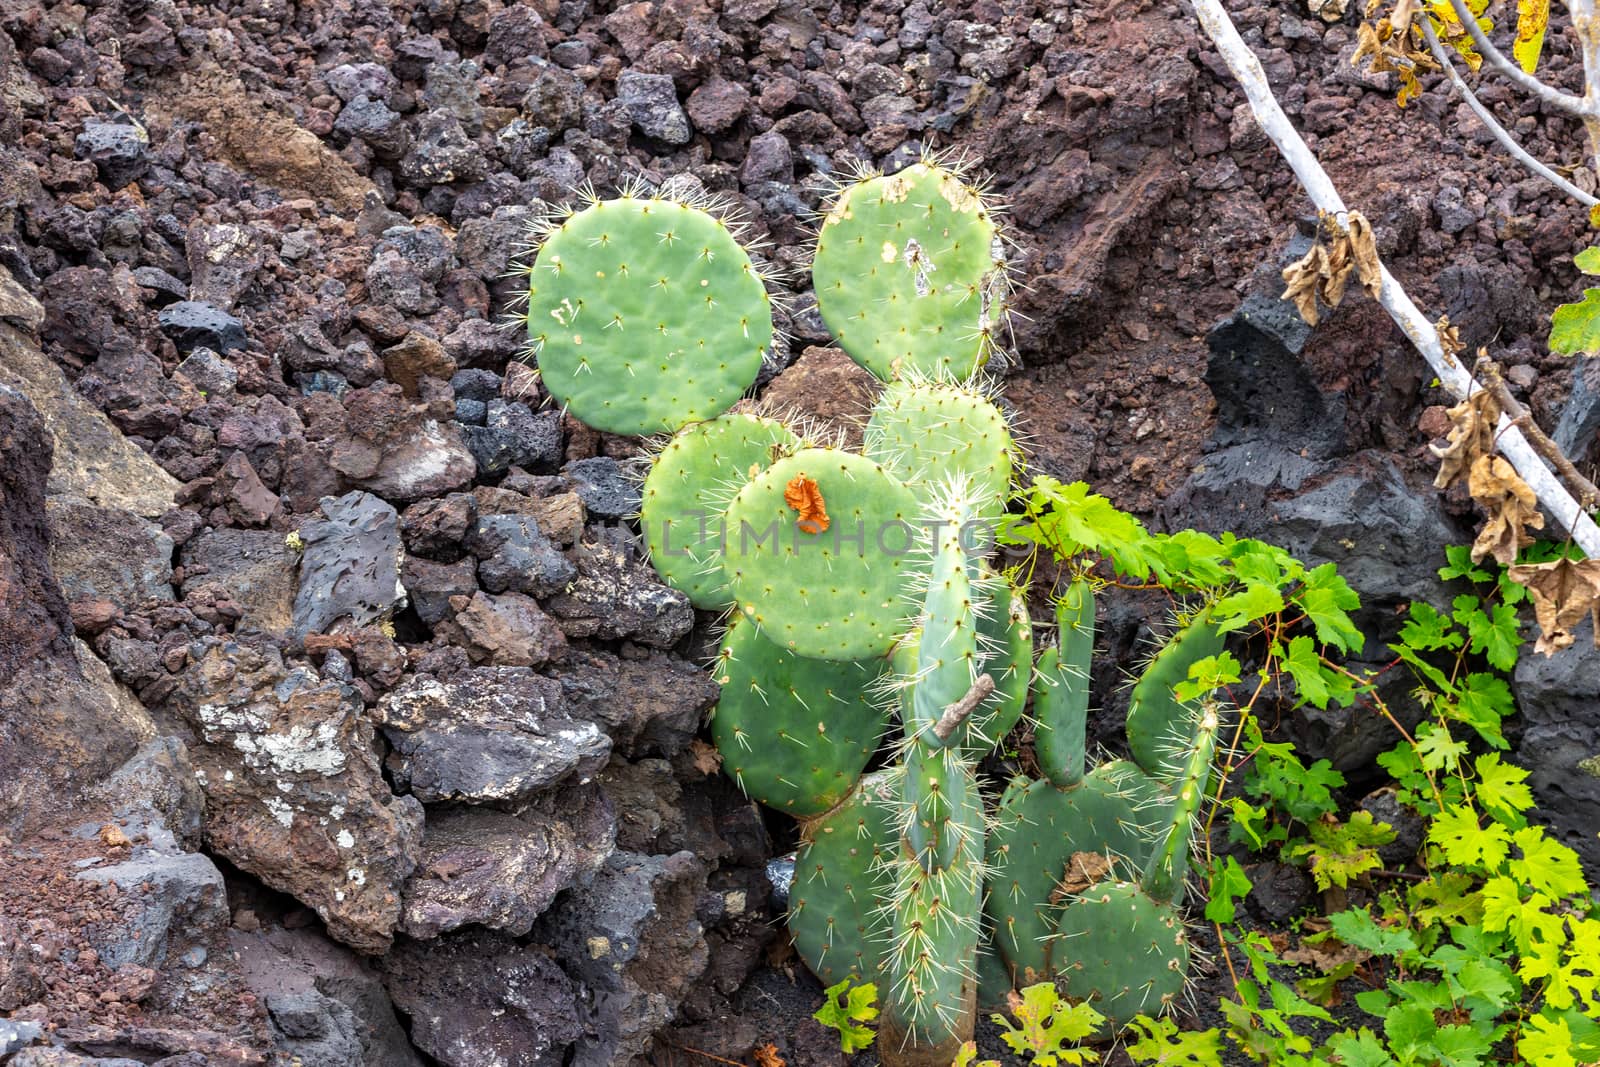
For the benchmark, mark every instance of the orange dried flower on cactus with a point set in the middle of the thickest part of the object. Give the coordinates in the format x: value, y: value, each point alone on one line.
x: 805, y: 496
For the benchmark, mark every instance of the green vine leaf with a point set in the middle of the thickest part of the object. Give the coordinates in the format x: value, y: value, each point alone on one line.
x: 847, y: 1007
x: 1533, y: 16
x: 1575, y: 328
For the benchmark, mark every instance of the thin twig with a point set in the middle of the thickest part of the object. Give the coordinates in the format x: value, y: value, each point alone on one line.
x: 1585, y: 490
x: 1485, y: 116
x: 1497, y: 59
x: 1392, y: 296
x: 957, y: 713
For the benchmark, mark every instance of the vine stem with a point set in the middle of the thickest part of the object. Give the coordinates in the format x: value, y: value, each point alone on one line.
x: 1455, y: 377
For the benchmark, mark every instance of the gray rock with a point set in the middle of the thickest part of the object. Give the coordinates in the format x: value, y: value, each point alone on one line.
x: 554, y: 100
x: 118, y: 152
x: 1559, y: 697
x: 283, y: 967
x: 351, y: 80
x: 156, y: 793
x: 652, y: 103
x: 514, y: 436
x: 93, y: 461
x: 187, y: 903
x: 1261, y: 383
x: 57, y: 1057
x: 515, y: 556
x: 606, y: 489
x: 108, y: 554
x: 210, y: 373
x: 195, y: 324
x: 472, y: 413
x: 480, y: 998
x: 394, y: 280
x: 632, y: 937
x: 474, y: 383
x: 294, y: 794
x: 375, y: 123
x: 350, y: 566
x: 768, y: 159
x: 164, y: 287
x: 430, y: 585
x: 501, y: 870
x: 650, y: 704
x: 618, y: 596
x: 223, y: 260
x: 315, y: 1029
x: 490, y: 734
x: 1578, y: 429
x: 14, y: 1035
x: 253, y: 568
x: 441, y: 153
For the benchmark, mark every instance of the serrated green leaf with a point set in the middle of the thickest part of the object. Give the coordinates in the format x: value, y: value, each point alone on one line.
x: 1305, y: 667
x: 1357, y: 928
x: 1575, y: 328
x: 1588, y: 260
x: 1229, y: 883
x: 1502, y: 787
x: 1465, y: 843
x: 845, y: 1008
x: 1159, y: 1041
x: 1256, y: 601
x: 1327, y: 600
x: 1360, y: 1049
x: 1546, y: 865
x: 1546, y: 1041
x: 1048, y: 1025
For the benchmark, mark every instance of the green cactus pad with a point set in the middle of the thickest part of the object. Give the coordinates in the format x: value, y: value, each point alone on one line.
x: 795, y: 733
x: 646, y: 315
x: 837, y: 594
x: 928, y: 433
x: 841, y: 877
x: 688, y: 489
x: 1061, y: 688
x: 1114, y: 812
x: 909, y: 274
x: 1122, y: 951
x: 1160, y: 727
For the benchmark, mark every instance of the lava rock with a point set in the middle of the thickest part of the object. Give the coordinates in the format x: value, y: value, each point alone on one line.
x: 478, y: 998
x: 186, y: 903
x: 515, y: 556
x: 652, y: 102
x: 488, y: 735
x: 436, y: 528
x: 118, y: 152
x: 652, y: 704
x: 441, y: 153
x: 474, y: 383
x: 195, y: 324
x: 255, y: 569
x: 350, y: 566
x: 414, y: 358
x: 214, y: 376
x: 376, y: 124
x: 108, y: 554
x: 508, y: 630
x: 618, y: 596
x: 514, y: 436
x: 606, y: 489
x: 1560, y: 741
x: 1577, y: 430
x: 294, y: 794
x: 315, y: 1028
x: 500, y: 870
x: 431, y: 586
x: 768, y: 159
x: 717, y: 105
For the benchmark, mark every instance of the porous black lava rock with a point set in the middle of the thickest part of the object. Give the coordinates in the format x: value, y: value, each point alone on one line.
x: 195, y: 324
x: 117, y: 151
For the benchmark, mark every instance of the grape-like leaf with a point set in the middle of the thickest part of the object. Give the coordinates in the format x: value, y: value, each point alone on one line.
x: 1575, y: 328
x: 1532, y: 18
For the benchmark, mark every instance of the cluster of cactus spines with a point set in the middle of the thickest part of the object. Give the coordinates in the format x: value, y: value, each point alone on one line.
x: 1122, y: 943
x: 794, y: 732
x: 927, y: 432
x: 645, y: 314
x: 834, y: 592
x: 910, y: 273
x: 688, y: 488
x: 1160, y: 726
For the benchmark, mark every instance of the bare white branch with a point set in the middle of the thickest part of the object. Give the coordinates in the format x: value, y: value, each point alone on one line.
x: 1319, y: 187
x: 1497, y: 59
x: 1501, y: 134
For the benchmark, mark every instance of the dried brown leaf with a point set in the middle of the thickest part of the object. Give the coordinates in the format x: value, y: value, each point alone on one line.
x: 1512, y: 508
x: 1449, y: 337
x: 1084, y: 869
x: 1326, y: 955
x: 1471, y: 437
x: 1363, y: 247
x: 1563, y: 591
x: 767, y: 1056
x: 707, y: 760
x: 1404, y: 11
x: 1302, y: 278
x: 1336, y: 274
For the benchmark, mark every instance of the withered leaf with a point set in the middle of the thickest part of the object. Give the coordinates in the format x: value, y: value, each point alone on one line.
x: 1563, y: 592
x: 1363, y: 247
x: 1512, y: 508
x: 1084, y: 869
x: 767, y: 1056
x: 1449, y: 337
x: 707, y: 760
x: 1471, y: 436
x: 1326, y: 955
x: 1302, y: 278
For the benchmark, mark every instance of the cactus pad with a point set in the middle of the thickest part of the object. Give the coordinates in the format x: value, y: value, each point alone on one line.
x: 1121, y: 950
x: 1161, y: 727
x: 841, y: 875
x: 837, y: 592
x: 688, y: 488
x: 909, y: 273
x: 645, y: 315
x: 927, y: 433
x: 795, y: 733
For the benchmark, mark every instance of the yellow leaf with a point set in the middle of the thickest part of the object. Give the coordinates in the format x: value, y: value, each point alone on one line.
x: 1532, y: 18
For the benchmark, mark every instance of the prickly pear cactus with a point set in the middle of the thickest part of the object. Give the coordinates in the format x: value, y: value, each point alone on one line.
x: 687, y: 490
x: 1160, y: 726
x: 910, y: 273
x: 928, y: 432
x: 645, y: 314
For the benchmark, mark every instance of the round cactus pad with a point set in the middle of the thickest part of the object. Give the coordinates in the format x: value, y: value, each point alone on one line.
x: 646, y: 315
x: 930, y: 433
x: 820, y: 547
x: 795, y: 733
x: 1121, y: 950
x: 908, y: 273
x: 688, y: 489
